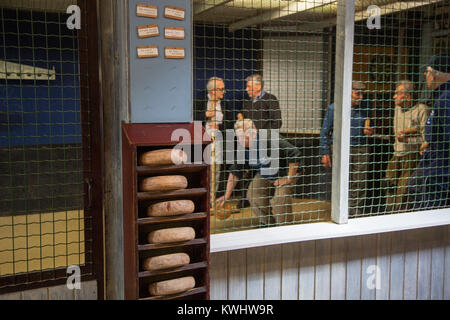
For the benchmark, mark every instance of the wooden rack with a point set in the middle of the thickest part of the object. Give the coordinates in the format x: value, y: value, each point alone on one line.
x: 140, y: 138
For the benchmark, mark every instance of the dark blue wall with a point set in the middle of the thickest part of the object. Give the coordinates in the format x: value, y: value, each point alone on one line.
x: 160, y: 88
x: 39, y: 112
x: 231, y: 56
x: 48, y: 112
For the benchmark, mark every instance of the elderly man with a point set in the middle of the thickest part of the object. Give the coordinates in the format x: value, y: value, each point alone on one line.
x: 270, y: 191
x: 217, y: 117
x: 359, y: 156
x: 263, y: 108
x: 428, y: 187
x: 409, y: 129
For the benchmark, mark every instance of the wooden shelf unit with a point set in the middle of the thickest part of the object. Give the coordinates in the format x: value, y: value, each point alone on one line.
x: 140, y: 138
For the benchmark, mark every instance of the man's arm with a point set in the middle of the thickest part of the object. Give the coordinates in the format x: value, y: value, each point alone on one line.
x: 210, y: 113
x: 231, y: 184
x: 418, y: 130
x: 325, y: 140
x: 444, y: 107
x: 290, y: 179
x: 368, y: 130
x: 403, y: 135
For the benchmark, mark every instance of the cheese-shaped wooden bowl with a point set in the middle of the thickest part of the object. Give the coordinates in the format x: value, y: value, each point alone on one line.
x: 163, y: 157
x: 166, y: 261
x: 170, y: 208
x: 163, y: 183
x: 172, y: 286
x: 170, y: 235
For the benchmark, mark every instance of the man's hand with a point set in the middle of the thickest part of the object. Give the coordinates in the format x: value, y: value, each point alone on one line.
x: 232, y: 181
x: 423, y: 147
x: 210, y: 113
x: 283, y: 181
x: 326, y: 161
x: 368, y: 131
x: 214, y: 126
x: 401, y: 136
x: 220, y: 202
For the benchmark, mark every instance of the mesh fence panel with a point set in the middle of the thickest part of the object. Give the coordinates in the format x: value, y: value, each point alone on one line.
x: 42, y: 221
x: 291, y: 45
x: 235, y: 40
x: 392, y: 169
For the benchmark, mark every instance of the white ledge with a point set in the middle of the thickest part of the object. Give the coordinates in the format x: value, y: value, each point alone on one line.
x: 327, y: 230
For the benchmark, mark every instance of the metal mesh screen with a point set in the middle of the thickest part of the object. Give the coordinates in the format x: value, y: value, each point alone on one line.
x: 291, y: 45
x: 43, y: 71
x: 391, y: 169
x: 235, y: 40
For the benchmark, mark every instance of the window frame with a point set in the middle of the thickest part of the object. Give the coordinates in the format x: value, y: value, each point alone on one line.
x: 340, y: 225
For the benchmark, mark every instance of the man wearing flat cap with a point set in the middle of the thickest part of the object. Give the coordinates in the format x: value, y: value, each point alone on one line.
x: 359, y: 156
x: 428, y: 187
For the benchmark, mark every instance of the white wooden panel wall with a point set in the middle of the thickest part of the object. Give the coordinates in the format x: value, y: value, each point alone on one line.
x: 87, y: 291
x: 409, y: 265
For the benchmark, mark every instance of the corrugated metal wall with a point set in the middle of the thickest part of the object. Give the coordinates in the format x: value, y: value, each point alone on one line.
x: 406, y: 265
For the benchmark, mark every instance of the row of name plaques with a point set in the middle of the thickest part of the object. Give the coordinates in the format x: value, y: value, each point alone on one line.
x: 152, y: 30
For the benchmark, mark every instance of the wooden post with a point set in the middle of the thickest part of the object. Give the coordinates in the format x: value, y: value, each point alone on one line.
x: 342, y: 110
x: 114, y: 56
x: 213, y: 170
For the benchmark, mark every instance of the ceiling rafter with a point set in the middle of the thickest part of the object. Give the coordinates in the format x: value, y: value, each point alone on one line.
x: 288, y: 10
x: 364, y: 14
x: 206, y: 5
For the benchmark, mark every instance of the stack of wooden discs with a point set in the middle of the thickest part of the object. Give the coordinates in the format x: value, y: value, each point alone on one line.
x: 172, y: 286
x: 169, y: 208
x: 167, y: 236
x: 159, y: 158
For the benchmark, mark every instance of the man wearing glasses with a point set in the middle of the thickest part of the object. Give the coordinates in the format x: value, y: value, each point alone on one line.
x: 216, y: 117
x: 428, y: 187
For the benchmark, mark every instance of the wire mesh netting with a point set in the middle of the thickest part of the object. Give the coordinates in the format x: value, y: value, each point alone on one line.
x: 276, y: 76
x: 270, y: 65
x: 271, y: 103
x: 393, y: 166
x: 42, y: 221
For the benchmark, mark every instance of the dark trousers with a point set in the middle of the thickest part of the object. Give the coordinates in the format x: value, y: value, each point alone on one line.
x: 427, y: 192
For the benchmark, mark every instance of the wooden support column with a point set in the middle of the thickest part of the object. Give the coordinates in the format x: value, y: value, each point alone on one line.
x: 114, y: 73
x: 342, y: 110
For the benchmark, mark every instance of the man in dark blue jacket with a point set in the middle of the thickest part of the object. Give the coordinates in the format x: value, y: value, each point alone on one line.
x: 359, y: 156
x: 428, y: 187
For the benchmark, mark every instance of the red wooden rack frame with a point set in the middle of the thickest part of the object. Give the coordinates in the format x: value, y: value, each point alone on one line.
x: 139, y: 138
